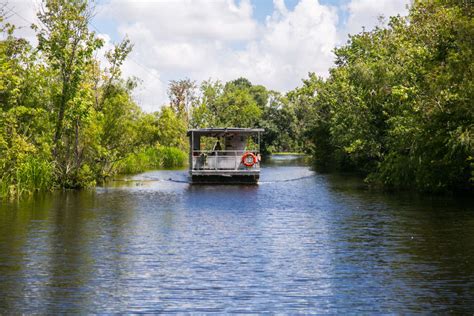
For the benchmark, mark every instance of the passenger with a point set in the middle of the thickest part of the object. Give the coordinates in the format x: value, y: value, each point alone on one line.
x: 217, y: 147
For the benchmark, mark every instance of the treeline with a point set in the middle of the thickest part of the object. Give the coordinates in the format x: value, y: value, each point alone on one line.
x: 396, y: 108
x: 239, y: 103
x: 69, y: 121
x: 398, y: 105
x: 66, y: 121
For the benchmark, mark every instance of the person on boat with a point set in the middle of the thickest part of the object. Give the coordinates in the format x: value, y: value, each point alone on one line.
x: 217, y: 147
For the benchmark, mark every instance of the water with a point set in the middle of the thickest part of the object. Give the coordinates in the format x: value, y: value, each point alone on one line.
x: 298, y: 242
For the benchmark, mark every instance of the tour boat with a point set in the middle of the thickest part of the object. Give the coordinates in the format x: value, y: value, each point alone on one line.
x: 224, y: 155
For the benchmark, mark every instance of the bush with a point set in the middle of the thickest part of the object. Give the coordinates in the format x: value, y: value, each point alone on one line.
x: 398, y: 105
x: 152, y: 158
x: 33, y: 174
x: 172, y: 157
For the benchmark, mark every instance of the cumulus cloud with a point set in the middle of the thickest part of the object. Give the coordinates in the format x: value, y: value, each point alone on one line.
x: 22, y: 13
x: 184, y: 19
x: 222, y: 39
x: 294, y: 43
x: 366, y: 13
x: 178, y: 39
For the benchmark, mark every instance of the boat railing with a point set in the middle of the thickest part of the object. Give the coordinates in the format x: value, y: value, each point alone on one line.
x: 222, y: 160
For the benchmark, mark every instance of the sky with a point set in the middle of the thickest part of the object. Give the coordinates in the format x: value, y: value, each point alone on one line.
x: 273, y: 43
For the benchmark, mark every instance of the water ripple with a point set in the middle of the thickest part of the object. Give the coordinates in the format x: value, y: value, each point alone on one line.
x: 300, y: 242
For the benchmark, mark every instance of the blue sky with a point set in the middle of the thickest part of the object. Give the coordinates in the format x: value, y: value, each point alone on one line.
x: 264, y: 8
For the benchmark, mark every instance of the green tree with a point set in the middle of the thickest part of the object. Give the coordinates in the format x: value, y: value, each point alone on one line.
x: 397, y: 106
x: 182, y: 94
x: 24, y: 124
x: 64, y: 120
x: 172, y: 129
x: 67, y: 45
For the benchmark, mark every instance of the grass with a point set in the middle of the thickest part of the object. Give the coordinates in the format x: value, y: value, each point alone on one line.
x: 37, y: 174
x: 153, y: 158
x: 33, y: 174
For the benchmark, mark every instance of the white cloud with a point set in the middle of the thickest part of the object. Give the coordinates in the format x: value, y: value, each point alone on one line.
x: 22, y: 13
x: 178, y: 20
x: 294, y: 43
x: 221, y: 39
x: 366, y: 13
x: 152, y: 93
x: 178, y: 39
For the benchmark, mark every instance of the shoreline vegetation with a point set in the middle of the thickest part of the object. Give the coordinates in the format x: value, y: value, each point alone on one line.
x: 153, y: 158
x: 396, y: 107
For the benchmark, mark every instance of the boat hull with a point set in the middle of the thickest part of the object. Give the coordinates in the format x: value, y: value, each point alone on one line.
x: 225, y: 178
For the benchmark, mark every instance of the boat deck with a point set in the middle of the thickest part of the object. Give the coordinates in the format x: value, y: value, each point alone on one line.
x: 238, y: 163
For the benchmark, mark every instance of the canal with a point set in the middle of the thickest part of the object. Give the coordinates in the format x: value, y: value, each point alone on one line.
x: 298, y: 242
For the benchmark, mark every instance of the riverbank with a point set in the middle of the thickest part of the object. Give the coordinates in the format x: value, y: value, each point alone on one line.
x: 37, y: 175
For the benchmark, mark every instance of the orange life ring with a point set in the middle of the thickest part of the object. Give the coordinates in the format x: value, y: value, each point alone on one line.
x: 249, y: 163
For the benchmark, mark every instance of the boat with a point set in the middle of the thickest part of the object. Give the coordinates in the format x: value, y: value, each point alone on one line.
x: 224, y: 155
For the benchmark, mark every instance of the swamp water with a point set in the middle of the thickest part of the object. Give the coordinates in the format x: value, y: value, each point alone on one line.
x: 298, y: 242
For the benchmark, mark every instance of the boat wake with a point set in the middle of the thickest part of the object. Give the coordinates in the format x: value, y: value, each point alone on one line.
x: 259, y: 182
x: 189, y: 182
x: 287, y: 180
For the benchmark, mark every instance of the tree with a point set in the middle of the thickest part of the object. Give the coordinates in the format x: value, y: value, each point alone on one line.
x: 64, y: 120
x: 182, y: 94
x: 115, y: 57
x: 397, y: 106
x: 172, y: 129
x: 68, y: 45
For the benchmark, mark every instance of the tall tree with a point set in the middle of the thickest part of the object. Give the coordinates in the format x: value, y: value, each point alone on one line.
x: 68, y: 45
x: 398, y: 105
x: 182, y: 94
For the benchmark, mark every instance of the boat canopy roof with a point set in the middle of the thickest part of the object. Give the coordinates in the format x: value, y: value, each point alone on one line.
x: 221, y: 131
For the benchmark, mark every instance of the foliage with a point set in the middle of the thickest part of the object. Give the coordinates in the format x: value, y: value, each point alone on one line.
x: 229, y: 105
x: 153, y: 158
x: 238, y: 103
x: 396, y: 107
x: 182, y: 96
x: 398, y: 104
x: 66, y: 121
x: 171, y: 129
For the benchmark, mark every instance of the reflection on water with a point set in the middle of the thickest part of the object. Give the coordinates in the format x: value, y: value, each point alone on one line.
x: 298, y: 242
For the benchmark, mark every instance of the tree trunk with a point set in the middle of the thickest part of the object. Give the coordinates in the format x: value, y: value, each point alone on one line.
x: 76, y: 145
x: 59, y: 123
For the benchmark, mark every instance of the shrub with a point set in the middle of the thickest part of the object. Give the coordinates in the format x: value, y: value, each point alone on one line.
x: 152, y: 158
x: 33, y: 174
